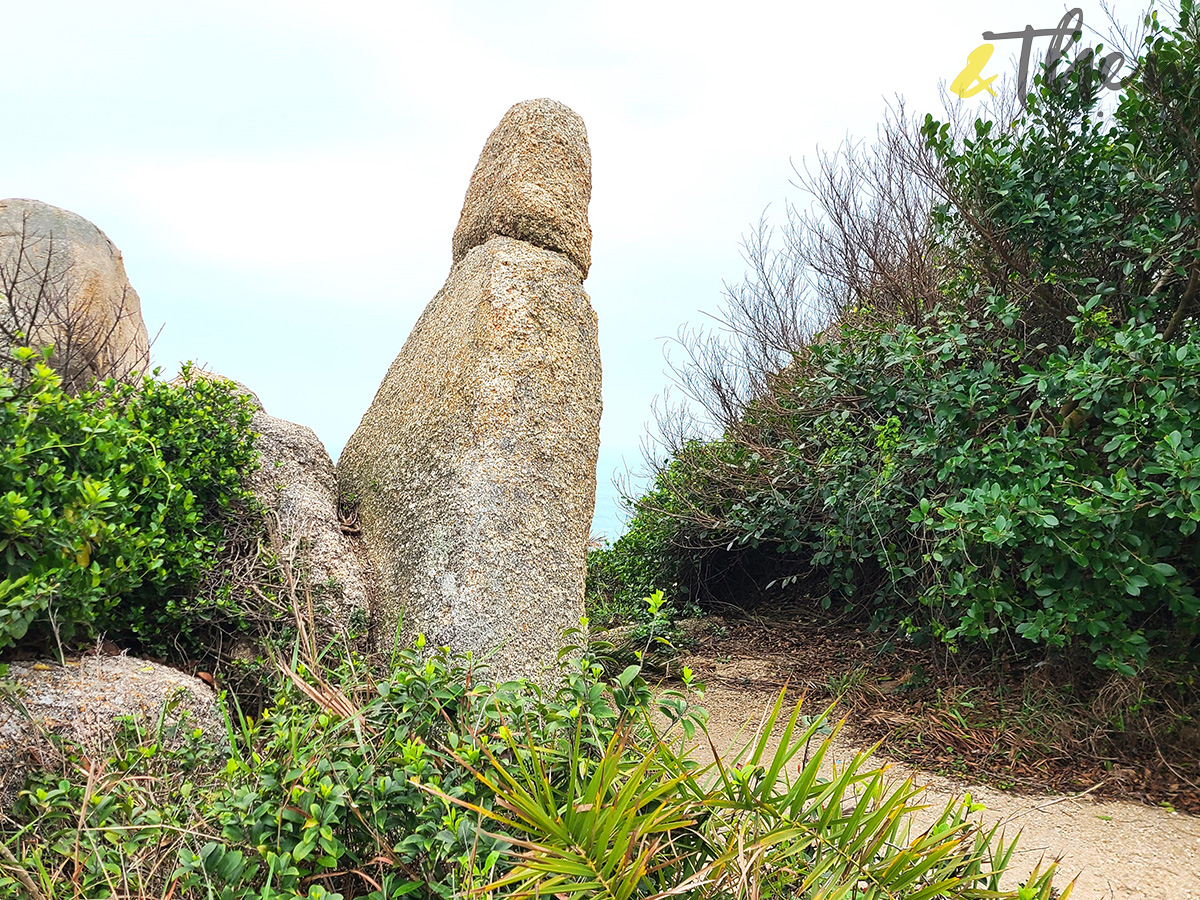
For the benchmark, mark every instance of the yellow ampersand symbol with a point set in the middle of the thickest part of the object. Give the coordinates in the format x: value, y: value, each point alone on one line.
x: 970, y: 81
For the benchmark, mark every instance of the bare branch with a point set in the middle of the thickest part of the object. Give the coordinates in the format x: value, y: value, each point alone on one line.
x: 45, y: 302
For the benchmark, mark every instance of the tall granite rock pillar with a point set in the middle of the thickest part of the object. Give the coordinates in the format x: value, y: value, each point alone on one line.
x: 474, y: 469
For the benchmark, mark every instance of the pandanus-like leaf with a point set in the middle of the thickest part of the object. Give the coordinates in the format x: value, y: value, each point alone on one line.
x: 593, y: 835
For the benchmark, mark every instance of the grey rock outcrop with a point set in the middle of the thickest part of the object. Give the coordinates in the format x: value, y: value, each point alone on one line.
x: 82, y: 701
x: 474, y: 468
x: 297, y: 485
x: 63, y: 283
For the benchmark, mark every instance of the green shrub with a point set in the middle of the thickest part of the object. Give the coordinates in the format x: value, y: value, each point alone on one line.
x: 311, y: 794
x: 657, y: 550
x: 431, y: 783
x: 947, y: 486
x: 107, y: 821
x: 1017, y: 467
x: 112, y: 504
x: 632, y: 567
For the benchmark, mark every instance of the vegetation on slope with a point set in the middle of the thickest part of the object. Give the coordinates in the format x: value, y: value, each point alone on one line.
x: 995, y: 443
x: 425, y: 781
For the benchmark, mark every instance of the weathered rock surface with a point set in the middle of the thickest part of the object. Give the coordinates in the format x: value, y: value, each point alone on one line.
x: 533, y: 183
x: 297, y: 484
x: 65, y: 285
x: 475, y: 466
x: 82, y: 700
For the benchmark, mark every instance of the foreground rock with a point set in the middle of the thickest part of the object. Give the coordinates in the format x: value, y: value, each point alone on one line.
x: 474, y: 469
x: 66, y: 286
x: 82, y: 702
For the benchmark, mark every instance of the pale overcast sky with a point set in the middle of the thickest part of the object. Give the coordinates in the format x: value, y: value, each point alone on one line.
x: 283, y: 179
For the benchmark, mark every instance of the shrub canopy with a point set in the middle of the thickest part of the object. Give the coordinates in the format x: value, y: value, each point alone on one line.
x: 1018, y: 462
x: 113, y: 503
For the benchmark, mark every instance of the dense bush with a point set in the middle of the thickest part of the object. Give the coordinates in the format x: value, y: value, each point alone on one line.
x: 112, y: 504
x: 644, y: 558
x: 1016, y: 463
x: 940, y: 487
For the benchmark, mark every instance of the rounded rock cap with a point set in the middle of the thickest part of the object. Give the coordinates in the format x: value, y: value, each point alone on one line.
x: 532, y: 183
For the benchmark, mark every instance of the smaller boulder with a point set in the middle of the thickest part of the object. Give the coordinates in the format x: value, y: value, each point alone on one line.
x: 532, y: 183
x: 297, y: 483
x: 82, y: 702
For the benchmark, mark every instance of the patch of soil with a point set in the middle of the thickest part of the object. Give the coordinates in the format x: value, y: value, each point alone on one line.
x: 1038, y: 726
x: 934, y: 721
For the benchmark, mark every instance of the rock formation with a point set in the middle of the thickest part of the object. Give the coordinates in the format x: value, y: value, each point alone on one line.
x: 297, y: 486
x: 474, y: 469
x: 63, y: 283
x: 82, y: 701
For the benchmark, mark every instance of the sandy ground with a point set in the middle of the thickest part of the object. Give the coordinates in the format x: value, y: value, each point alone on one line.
x: 1114, y: 849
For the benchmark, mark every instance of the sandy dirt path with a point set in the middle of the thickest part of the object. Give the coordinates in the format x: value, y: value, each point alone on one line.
x: 1116, y: 850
